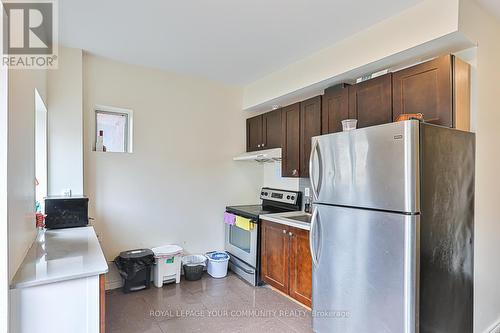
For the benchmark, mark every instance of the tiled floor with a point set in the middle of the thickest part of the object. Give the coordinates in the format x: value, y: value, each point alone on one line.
x: 207, y: 305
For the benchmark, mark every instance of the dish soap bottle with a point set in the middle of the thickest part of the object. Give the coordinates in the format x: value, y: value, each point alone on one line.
x: 307, y: 205
x: 99, y: 144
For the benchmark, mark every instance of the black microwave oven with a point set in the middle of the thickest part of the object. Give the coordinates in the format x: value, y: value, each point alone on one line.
x: 66, y: 212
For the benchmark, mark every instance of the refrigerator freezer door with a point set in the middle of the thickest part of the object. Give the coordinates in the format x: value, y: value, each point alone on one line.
x: 364, y: 278
x: 375, y: 167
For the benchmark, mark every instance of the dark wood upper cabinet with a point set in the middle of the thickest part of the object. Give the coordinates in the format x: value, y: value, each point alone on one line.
x: 274, y: 255
x: 264, y: 131
x: 290, y: 120
x: 429, y: 87
x: 335, y: 108
x: 425, y: 88
x: 370, y: 102
x: 439, y: 89
x: 310, y: 126
x: 300, y: 266
x: 254, y: 133
x: 271, y: 130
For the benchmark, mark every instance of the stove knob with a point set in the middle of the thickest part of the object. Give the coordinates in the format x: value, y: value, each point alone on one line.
x: 293, y: 198
x: 288, y: 197
x: 261, y: 193
x: 265, y: 193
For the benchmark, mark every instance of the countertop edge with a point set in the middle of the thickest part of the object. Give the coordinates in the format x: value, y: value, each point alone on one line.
x: 29, y: 284
x: 285, y: 221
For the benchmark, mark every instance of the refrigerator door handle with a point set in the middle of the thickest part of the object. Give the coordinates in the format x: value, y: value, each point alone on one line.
x: 311, y: 236
x: 315, y: 149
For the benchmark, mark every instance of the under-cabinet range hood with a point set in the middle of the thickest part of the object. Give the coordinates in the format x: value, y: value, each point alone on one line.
x: 269, y: 155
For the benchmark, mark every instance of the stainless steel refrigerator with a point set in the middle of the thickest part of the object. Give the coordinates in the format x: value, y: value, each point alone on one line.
x: 392, y: 229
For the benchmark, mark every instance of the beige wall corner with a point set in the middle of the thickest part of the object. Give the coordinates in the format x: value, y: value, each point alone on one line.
x: 65, y: 124
x: 484, y: 29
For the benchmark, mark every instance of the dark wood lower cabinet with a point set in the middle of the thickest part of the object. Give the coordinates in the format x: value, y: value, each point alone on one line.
x: 275, y: 250
x: 300, y: 266
x: 286, y: 260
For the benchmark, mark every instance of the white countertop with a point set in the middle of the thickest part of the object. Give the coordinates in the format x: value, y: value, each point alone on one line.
x: 60, y: 255
x: 284, y: 218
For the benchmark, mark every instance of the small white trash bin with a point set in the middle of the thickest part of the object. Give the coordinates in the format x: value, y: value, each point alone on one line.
x: 217, y: 264
x: 168, y: 264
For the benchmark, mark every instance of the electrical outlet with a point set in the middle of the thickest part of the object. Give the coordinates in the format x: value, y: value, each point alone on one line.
x: 306, y: 192
x: 67, y: 192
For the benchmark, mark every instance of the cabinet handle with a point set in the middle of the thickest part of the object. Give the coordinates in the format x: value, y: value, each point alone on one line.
x: 284, y: 231
x: 263, y: 145
x: 258, y: 146
x: 294, y: 172
x: 290, y: 234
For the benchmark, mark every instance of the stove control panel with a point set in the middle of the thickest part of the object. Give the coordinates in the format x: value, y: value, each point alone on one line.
x: 271, y: 194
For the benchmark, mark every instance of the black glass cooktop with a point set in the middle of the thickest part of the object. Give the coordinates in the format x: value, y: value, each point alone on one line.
x: 252, y: 211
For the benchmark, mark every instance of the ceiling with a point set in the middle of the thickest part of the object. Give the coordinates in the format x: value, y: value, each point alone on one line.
x: 231, y: 41
x: 491, y: 5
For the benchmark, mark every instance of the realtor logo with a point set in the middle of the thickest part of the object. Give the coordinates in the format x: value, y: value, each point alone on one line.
x: 29, y: 34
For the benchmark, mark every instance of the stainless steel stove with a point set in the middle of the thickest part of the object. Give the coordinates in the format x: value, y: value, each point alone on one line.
x: 243, y: 245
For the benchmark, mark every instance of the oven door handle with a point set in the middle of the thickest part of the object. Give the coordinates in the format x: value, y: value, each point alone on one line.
x: 246, y: 270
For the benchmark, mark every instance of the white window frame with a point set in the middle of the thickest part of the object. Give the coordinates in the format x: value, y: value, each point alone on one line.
x: 128, y: 126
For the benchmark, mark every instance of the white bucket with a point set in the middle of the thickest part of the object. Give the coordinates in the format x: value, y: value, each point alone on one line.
x: 168, y: 264
x: 217, y: 264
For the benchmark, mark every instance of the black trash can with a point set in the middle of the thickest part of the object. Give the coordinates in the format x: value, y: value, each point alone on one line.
x: 135, y: 268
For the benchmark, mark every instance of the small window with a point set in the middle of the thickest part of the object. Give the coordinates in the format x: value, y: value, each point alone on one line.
x: 113, y: 130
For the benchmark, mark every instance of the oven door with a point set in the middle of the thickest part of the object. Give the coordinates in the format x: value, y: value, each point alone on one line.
x: 242, y: 243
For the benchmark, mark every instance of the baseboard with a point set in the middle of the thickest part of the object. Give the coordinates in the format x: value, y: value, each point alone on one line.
x: 110, y: 285
x: 114, y: 279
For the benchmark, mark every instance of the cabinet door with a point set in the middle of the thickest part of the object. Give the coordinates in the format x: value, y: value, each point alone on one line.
x: 290, y: 119
x: 254, y: 133
x: 300, y: 266
x: 310, y: 125
x: 271, y: 130
x: 370, y: 102
x: 335, y: 108
x: 425, y: 88
x: 274, y: 255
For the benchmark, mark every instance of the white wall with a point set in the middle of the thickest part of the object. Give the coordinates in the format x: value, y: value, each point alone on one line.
x: 400, y: 37
x: 272, y: 178
x: 65, y: 124
x: 484, y: 29
x: 175, y: 185
x: 41, y: 149
x: 21, y: 161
